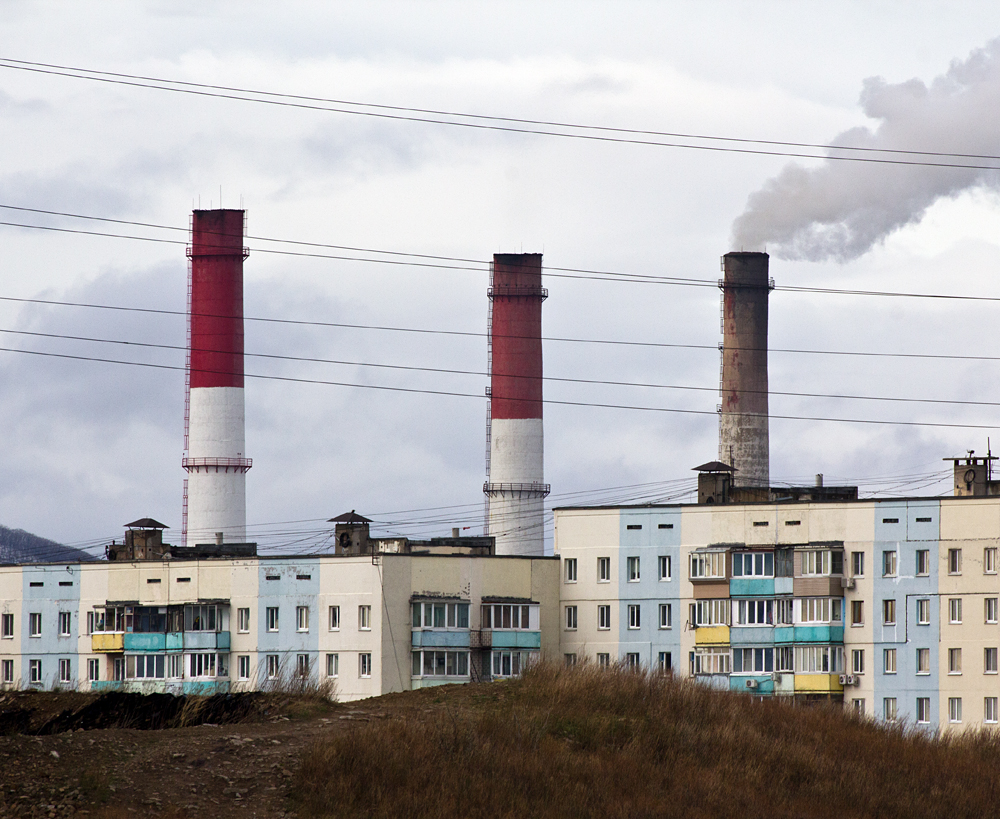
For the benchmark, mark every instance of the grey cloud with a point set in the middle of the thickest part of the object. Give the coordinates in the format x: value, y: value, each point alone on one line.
x: 840, y: 210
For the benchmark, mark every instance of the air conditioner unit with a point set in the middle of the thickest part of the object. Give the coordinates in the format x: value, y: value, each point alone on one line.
x: 847, y: 582
x: 751, y: 683
x: 843, y: 679
x: 852, y: 680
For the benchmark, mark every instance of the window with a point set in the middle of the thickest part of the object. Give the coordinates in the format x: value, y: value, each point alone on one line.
x: 499, y: 616
x: 954, y: 561
x: 201, y: 665
x: 753, y: 660
x: 954, y: 661
x: 990, y: 709
x: 604, y: 570
x: 784, y: 659
x: 710, y: 613
x: 603, y: 618
x: 663, y: 663
x: 710, y: 661
x: 923, y: 562
x: 755, y: 612
x: 365, y: 618
x: 65, y: 673
x: 633, y: 570
x: 753, y: 564
x: 273, y: 666
x: 990, y: 560
x: 302, y: 665
x: 7, y: 667
x: 571, y: 618
x: 632, y: 660
x: 889, y: 612
x: 989, y: 661
x: 441, y: 615
x: 821, y: 610
x: 569, y: 660
x: 819, y: 659
x: 784, y: 562
x: 440, y: 664
x: 663, y: 564
x: 633, y: 616
x: 858, y: 661
x: 175, y: 666
x: 889, y: 709
x: 889, y: 661
x: 511, y: 663
x: 334, y: 618
x: 603, y: 660
x: 35, y: 624
x: 923, y: 661
x: 93, y: 669
x: 144, y: 666
x: 784, y: 609
x: 272, y: 618
x: 364, y: 665
x: 332, y: 665
x: 859, y: 706
x: 201, y: 618
x: 243, y: 665
x: 923, y: 612
x: 954, y: 709
x: 955, y: 610
x: 708, y: 564
x: 35, y: 671
x: 666, y: 616
x: 243, y: 621
x: 889, y: 564
x: 633, y: 526
x: 857, y: 612
x: 664, y: 526
x: 923, y: 709
x: 65, y: 623
x: 302, y: 618
x: 858, y: 564
x: 990, y: 609
x: 8, y: 627
x: 570, y: 563
x: 821, y: 562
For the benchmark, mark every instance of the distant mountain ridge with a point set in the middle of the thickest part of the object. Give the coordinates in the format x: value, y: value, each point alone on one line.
x: 18, y: 546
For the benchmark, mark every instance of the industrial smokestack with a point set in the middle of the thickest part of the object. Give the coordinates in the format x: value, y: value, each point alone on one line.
x: 215, y: 490
x: 743, y: 435
x: 515, y: 488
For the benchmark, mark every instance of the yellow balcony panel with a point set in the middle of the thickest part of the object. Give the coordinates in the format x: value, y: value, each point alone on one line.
x: 108, y: 642
x: 711, y: 635
x: 818, y: 683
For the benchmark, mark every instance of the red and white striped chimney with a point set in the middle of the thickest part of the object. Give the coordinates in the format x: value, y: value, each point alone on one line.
x: 515, y: 488
x: 215, y: 490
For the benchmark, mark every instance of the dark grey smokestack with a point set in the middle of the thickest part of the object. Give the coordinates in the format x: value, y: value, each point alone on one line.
x: 743, y: 435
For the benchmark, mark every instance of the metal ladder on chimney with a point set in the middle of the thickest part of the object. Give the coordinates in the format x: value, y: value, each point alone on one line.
x: 489, y: 401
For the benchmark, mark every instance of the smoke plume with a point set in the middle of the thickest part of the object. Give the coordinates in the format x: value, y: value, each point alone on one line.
x: 840, y: 210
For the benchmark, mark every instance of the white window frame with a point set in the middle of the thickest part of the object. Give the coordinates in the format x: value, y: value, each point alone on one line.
x: 243, y: 667
x: 65, y: 624
x: 632, y: 660
x: 990, y: 560
x: 889, y: 709
x: 923, y: 611
x: 990, y: 609
x: 954, y: 561
x: 65, y: 670
x: 990, y: 660
x: 334, y: 616
x: 923, y: 665
x: 302, y: 666
x: 35, y: 624
x: 6, y: 671
x: 272, y: 666
x: 923, y: 563
x: 708, y: 566
x: 634, y: 616
x: 364, y: 618
x: 243, y: 620
x: 302, y: 619
x: 93, y: 669
x: 663, y: 567
x: 604, y: 617
x: 889, y: 611
x: 857, y: 564
x: 365, y: 665
x: 7, y: 629
x: 273, y: 621
x: 889, y: 567
x: 954, y: 710
x: 633, y: 567
x: 955, y: 611
x: 333, y: 665
x: 857, y: 661
x: 989, y: 709
x: 35, y: 671
x: 603, y: 659
x: 955, y: 661
x: 571, y: 618
x: 604, y: 570
x: 889, y: 661
x: 570, y: 564
x: 666, y: 619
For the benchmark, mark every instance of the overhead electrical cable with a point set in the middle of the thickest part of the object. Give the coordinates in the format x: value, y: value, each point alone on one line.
x: 480, y: 373
x: 416, y: 390
x: 603, y: 134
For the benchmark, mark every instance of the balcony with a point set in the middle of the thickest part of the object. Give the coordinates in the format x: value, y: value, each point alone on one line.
x: 751, y: 587
x: 441, y: 638
x: 711, y: 635
x: 517, y: 639
x: 109, y: 643
x: 145, y: 642
x: 818, y: 684
x: 820, y: 633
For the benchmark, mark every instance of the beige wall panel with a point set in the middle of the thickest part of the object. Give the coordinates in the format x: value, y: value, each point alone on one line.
x: 841, y: 521
x: 970, y: 518
x: 759, y: 535
x: 123, y: 581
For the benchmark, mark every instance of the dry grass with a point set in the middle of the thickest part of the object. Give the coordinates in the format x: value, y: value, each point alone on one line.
x: 615, y: 743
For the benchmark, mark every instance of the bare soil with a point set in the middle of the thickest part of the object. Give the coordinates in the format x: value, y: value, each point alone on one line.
x: 244, y: 769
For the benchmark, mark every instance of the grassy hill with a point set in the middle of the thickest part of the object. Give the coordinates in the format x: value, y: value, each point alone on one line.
x: 614, y: 743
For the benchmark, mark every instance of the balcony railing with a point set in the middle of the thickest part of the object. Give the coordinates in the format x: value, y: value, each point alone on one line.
x: 225, y: 464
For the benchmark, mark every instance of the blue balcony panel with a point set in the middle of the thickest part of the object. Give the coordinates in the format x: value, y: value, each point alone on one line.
x: 751, y: 587
x: 751, y: 635
x: 765, y: 685
x: 517, y: 639
x: 175, y: 640
x: 431, y: 638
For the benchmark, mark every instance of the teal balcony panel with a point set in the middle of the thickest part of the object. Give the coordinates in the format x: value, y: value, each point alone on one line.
x: 809, y: 634
x: 764, y: 684
x: 222, y: 641
x: 145, y: 642
x: 431, y: 638
x: 206, y: 687
x: 751, y: 587
x: 517, y: 639
x: 175, y: 640
x: 201, y: 640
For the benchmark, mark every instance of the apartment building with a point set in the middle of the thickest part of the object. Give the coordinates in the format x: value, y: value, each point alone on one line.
x: 372, y: 623
x: 890, y: 606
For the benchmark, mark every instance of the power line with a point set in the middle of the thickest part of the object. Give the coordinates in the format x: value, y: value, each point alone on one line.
x: 451, y: 371
x: 416, y: 390
x: 473, y: 334
x: 489, y: 123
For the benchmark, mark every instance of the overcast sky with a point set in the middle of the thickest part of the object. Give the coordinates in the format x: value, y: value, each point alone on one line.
x: 87, y: 446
